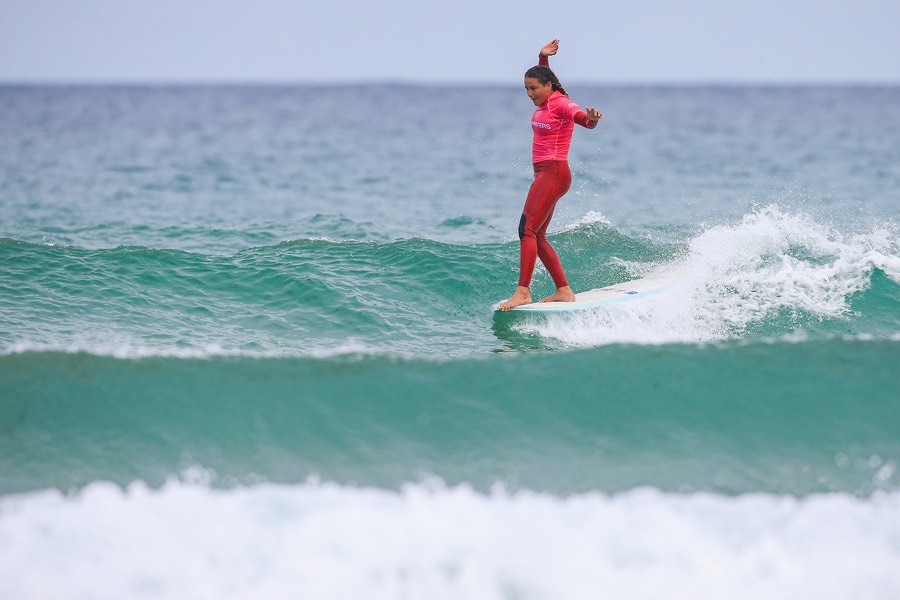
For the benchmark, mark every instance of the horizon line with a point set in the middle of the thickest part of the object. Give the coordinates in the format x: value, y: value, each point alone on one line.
x: 406, y: 82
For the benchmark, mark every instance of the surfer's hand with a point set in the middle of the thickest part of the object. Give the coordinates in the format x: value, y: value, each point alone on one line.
x: 550, y: 48
x: 593, y: 114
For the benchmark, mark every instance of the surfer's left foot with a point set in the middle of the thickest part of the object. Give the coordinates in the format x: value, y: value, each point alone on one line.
x: 522, y: 296
x: 563, y: 294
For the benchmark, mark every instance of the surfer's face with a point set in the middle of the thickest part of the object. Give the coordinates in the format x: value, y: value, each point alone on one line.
x: 537, y: 91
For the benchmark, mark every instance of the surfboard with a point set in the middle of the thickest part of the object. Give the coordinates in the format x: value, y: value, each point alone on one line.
x: 619, y: 292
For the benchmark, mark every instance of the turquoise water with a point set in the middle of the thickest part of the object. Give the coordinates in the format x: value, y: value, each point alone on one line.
x: 251, y: 333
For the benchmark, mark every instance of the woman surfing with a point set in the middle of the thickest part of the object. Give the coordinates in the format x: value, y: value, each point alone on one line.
x: 553, y: 122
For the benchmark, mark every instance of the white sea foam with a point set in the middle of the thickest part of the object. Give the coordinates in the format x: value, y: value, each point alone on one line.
x: 187, y: 540
x: 735, y: 276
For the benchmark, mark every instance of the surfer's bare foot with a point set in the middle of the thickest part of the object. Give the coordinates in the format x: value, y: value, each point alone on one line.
x: 563, y: 294
x: 522, y: 296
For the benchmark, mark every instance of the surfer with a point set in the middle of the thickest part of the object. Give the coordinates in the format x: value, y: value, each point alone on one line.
x: 553, y: 123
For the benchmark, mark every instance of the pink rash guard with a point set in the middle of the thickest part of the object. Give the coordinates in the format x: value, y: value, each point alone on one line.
x: 553, y: 123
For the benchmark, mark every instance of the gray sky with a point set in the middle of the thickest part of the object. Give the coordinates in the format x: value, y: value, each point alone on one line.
x: 449, y: 41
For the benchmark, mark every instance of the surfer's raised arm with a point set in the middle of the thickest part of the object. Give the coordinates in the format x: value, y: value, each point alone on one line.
x: 549, y: 49
x: 589, y: 116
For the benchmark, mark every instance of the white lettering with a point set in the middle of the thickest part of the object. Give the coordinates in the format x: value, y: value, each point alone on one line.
x: 541, y: 125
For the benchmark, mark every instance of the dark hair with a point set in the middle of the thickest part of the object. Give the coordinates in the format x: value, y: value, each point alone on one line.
x: 545, y: 76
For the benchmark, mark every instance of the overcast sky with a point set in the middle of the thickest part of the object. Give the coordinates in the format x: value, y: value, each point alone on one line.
x: 449, y: 41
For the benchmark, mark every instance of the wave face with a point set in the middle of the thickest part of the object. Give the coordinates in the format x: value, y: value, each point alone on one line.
x: 772, y: 274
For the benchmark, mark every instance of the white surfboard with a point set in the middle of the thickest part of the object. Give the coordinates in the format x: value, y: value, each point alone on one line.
x: 619, y: 292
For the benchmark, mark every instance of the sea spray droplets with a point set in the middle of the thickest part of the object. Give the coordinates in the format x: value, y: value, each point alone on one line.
x: 774, y: 273
x: 777, y: 260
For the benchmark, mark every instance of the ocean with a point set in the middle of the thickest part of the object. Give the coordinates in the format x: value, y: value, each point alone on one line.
x: 248, y: 346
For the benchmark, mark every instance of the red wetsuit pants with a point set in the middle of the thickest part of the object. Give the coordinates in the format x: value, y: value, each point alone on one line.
x: 552, y: 179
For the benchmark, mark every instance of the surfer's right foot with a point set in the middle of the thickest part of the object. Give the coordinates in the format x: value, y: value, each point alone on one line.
x: 522, y: 296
